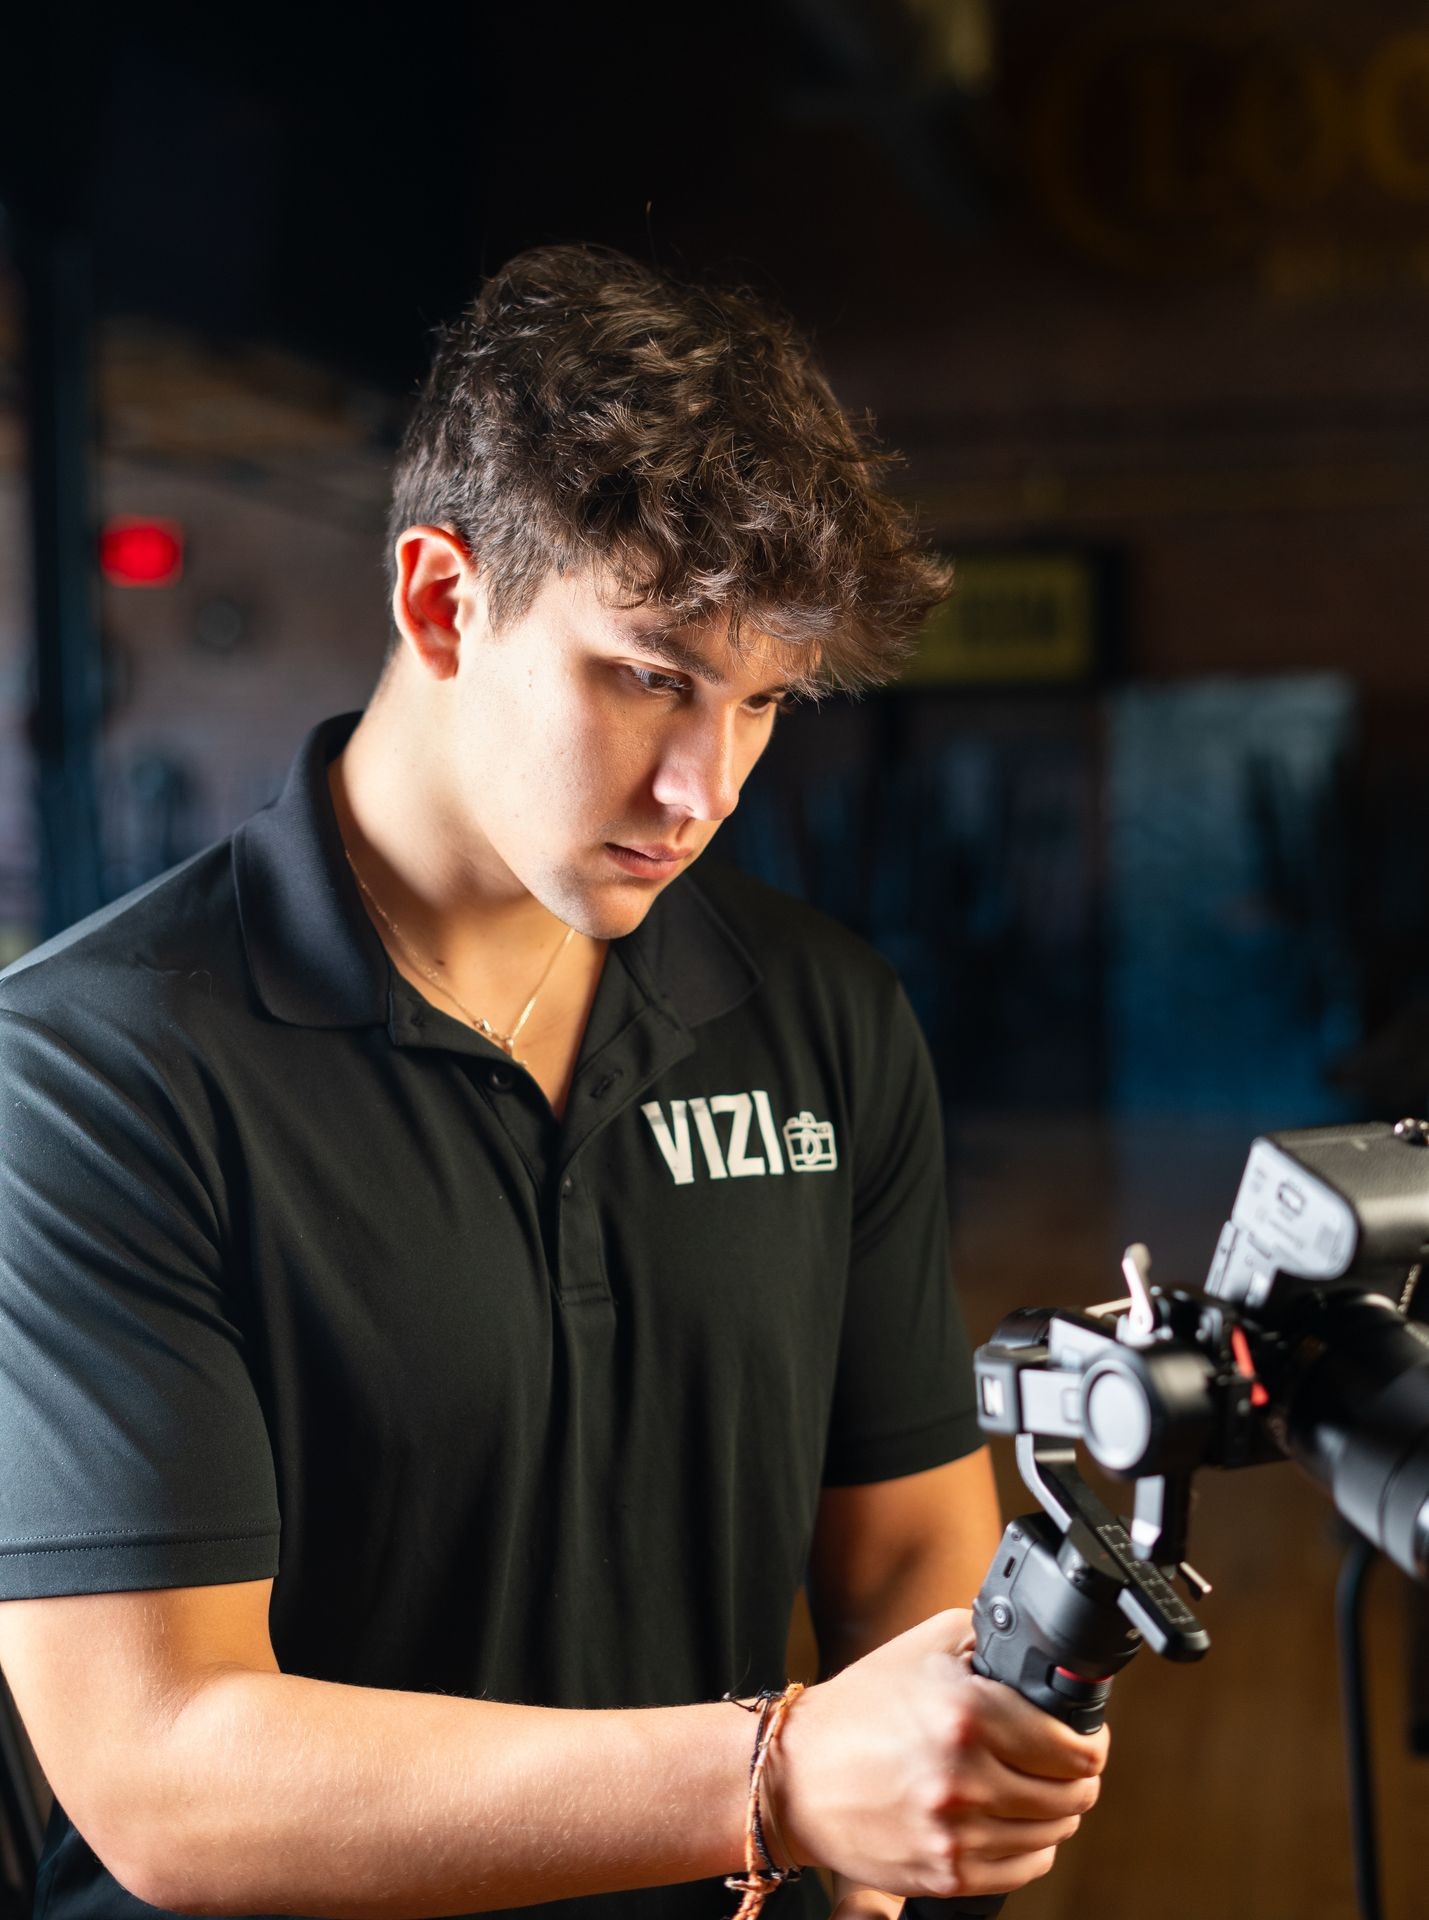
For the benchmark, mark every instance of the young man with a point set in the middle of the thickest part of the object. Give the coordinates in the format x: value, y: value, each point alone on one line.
x: 459, y: 1273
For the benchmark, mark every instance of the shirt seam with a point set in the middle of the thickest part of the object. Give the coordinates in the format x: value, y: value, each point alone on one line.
x: 46, y: 1543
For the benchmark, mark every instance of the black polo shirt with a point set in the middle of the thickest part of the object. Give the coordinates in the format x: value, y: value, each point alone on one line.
x: 299, y: 1277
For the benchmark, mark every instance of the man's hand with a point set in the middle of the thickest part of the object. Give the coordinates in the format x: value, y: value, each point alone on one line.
x: 910, y: 1772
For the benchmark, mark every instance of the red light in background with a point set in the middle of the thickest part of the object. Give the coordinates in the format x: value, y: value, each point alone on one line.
x: 142, y: 553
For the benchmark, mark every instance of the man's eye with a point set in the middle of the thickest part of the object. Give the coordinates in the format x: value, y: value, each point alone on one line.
x: 654, y: 682
x: 780, y: 702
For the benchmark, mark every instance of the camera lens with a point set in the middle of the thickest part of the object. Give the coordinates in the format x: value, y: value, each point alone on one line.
x: 1355, y: 1394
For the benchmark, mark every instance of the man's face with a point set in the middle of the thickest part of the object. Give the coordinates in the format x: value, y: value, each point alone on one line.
x: 596, y: 749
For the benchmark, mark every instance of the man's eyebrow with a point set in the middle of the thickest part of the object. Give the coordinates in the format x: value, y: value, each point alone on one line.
x: 671, y: 651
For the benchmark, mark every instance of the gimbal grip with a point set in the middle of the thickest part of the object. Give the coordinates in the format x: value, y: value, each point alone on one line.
x: 1044, y: 1637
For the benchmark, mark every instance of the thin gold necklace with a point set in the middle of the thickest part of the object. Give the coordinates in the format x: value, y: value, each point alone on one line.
x: 506, y: 1041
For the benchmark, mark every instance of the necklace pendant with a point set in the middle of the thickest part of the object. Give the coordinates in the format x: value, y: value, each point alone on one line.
x: 505, y: 1041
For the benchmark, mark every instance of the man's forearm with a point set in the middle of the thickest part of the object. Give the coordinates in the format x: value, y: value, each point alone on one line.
x: 277, y: 1794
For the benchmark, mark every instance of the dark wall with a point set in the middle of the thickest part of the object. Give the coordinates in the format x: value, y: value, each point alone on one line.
x: 1132, y: 280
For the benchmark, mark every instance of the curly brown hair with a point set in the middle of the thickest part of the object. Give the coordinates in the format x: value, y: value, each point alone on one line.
x: 586, y: 409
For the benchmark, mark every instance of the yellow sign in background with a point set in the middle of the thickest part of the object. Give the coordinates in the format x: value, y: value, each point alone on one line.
x: 1012, y: 617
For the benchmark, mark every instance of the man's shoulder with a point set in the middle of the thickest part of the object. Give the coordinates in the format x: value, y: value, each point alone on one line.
x: 175, y: 938
x: 786, y: 938
x: 823, y: 989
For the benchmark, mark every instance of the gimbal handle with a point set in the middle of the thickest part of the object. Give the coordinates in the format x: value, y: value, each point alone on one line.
x: 1063, y: 1663
x: 1061, y: 1612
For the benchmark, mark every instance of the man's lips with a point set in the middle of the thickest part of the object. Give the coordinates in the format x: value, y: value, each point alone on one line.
x: 651, y: 860
x: 650, y: 852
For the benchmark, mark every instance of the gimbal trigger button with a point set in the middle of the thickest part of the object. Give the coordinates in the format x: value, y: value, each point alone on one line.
x: 1075, y: 1686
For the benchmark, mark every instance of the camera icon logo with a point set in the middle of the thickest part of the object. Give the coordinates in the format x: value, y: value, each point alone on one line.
x: 810, y: 1144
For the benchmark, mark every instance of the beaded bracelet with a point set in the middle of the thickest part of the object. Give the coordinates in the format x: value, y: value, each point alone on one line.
x: 761, y: 1876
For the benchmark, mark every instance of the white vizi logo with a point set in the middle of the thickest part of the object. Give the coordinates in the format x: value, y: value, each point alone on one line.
x: 807, y: 1146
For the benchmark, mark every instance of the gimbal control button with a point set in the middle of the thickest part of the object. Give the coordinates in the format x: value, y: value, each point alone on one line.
x: 1001, y: 1615
x: 1072, y: 1686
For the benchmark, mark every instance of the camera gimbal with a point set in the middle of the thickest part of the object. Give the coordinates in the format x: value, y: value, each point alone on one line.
x: 1299, y: 1346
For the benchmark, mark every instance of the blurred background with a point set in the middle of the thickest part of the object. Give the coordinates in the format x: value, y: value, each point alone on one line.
x: 1141, y: 292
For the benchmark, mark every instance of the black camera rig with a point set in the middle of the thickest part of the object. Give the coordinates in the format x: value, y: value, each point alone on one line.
x: 1302, y: 1345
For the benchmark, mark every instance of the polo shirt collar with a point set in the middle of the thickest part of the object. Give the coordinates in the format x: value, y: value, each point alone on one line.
x: 687, y: 957
x: 315, y: 957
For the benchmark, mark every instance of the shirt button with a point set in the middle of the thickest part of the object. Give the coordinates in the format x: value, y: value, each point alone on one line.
x: 568, y: 1187
x: 603, y: 1086
x: 502, y: 1079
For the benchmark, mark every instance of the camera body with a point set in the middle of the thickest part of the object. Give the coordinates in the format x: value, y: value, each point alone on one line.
x: 1326, y: 1206
x: 1300, y: 1345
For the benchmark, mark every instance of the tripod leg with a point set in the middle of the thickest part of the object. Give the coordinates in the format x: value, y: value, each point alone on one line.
x: 1416, y: 1622
x: 1349, y: 1620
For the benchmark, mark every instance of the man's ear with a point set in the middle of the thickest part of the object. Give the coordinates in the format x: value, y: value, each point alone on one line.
x: 432, y: 600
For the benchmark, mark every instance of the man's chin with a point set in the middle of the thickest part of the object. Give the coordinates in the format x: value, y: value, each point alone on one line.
x: 606, y: 912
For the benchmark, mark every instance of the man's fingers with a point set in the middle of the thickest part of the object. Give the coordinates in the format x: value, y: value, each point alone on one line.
x: 1013, y: 1796
x: 1033, y: 1742
x: 1032, y: 1866
x: 1003, y: 1876
x: 1007, y: 1839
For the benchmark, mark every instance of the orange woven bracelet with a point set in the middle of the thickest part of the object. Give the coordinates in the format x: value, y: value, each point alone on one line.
x: 761, y: 1877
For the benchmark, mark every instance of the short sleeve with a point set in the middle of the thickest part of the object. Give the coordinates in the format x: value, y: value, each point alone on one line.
x: 903, y: 1399
x: 133, y: 1450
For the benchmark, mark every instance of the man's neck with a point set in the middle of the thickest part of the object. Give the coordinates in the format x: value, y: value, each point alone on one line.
x: 437, y: 879
x: 454, y: 920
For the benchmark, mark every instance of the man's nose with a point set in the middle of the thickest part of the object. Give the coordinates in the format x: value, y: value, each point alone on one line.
x: 700, y: 773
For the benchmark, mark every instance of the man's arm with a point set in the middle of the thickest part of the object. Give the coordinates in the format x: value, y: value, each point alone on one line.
x: 210, y: 1782
x: 888, y: 1555
x: 885, y: 1557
